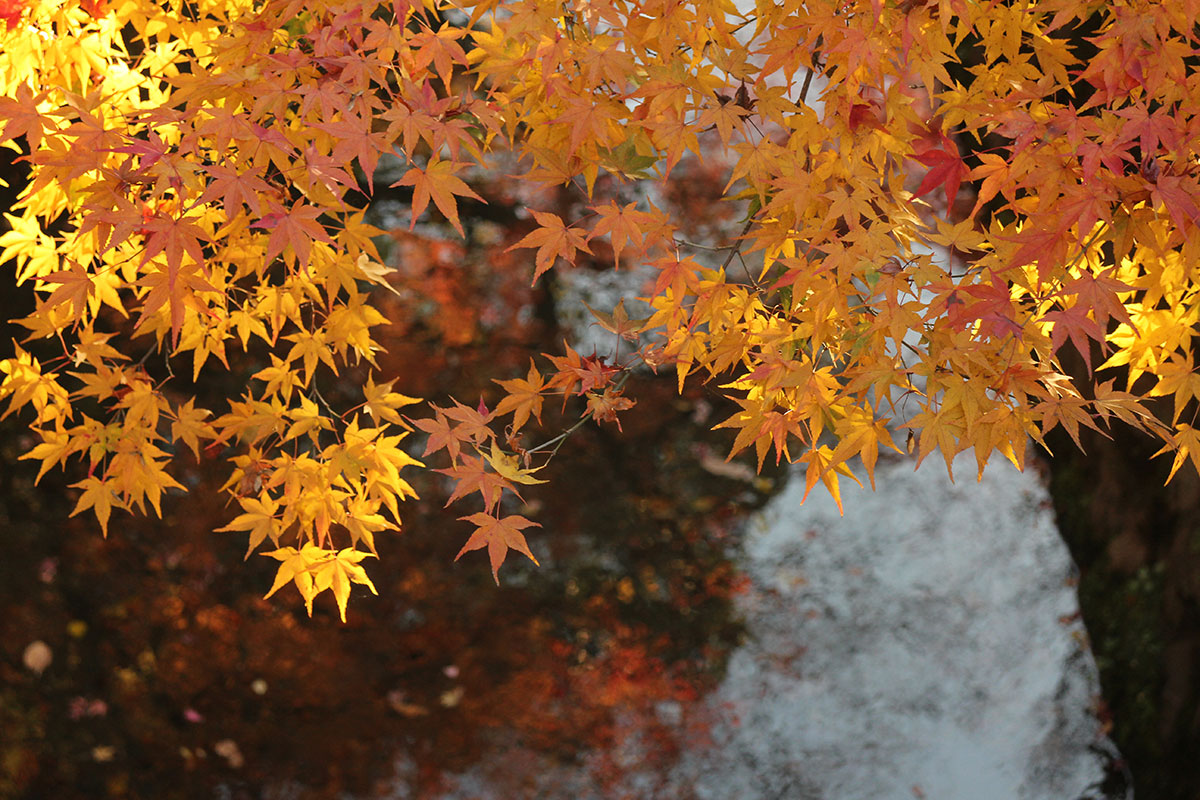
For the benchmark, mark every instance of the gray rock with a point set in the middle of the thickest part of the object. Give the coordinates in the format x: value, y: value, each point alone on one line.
x: 926, y: 644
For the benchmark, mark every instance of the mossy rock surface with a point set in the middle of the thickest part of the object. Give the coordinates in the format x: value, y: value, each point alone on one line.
x: 1135, y: 541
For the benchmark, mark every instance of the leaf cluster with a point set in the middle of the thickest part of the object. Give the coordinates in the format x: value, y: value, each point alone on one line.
x: 199, y: 171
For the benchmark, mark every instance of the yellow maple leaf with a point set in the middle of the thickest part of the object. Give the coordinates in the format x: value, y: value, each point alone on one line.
x: 259, y: 520
x: 296, y: 567
x: 508, y: 466
x: 1186, y: 444
x: 337, y: 572
x: 98, y: 496
x: 381, y: 402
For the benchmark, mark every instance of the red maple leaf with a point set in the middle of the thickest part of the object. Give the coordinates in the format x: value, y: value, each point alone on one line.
x: 590, y: 373
x: 604, y: 407
x: 297, y: 226
x: 1075, y: 323
x: 1181, y: 200
x: 988, y: 303
x: 946, y: 169
x: 10, y: 12
x: 1046, y: 246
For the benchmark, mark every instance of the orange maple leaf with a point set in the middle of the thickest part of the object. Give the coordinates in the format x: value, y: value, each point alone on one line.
x: 498, y: 536
x: 439, y: 182
x: 623, y: 226
x: 75, y: 286
x: 590, y: 372
x: 474, y: 421
x: 554, y: 240
x: 440, y: 435
x: 524, y: 397
x: 471, y: 475
x: 604, y: 407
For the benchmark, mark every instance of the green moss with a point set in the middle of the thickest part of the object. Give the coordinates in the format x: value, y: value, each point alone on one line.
x: 1073, y: 492
x: 1194, y: 541
x: 1124, y: 615
x: 1123, y: 610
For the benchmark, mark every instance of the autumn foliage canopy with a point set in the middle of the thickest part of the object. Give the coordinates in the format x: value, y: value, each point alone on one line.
x: 939, y: 202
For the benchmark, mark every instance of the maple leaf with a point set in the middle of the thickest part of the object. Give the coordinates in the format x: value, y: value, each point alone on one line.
x: 762, y: 428
x: 439, y: 182
x: 524, y: 397
x: 590, y: 120
x: 281, y: 378
x: 172, y: 237
x: 381, y: 402
x: 19, y: 113
x: 1181, y: 199
x: 678, y: 275
x: 376, y: 273
x: 54, y: 449
x: 604, y: 407
x: 868, y: 114
x: 989, y: 303
x: 175, y: 291
x: 75, y: 287
x: 590, y: 372
x: 498, y: 536
x: 26, y: 383
x: 618, y: 321
x: 149, y: 150
x: 1186, y: 444
x: 1178, y: 378
x: 258, y: 518
x: 307, y: 420
x: 234, y: 189
x: 337, y: 572
x: 311, y: 347
x: 1095, y: 295
x: 189, y: 426
x: 1124, y: 405
x: 553, y: 240
x: 946, y: 169
x: 861, y: 434
x: 355, y: 139
x: 473, y: 422
x: 470, y: 476
x: 440, y: 434
x: 98, y: 496
x: 1042, y: 245
x: 822, y: 467
x: 622, y: 225
x: 363, y: 521
x: 296, y: 567
x: 297, y: 228
x: 629, y: 159
x: 995, y: 173
x: 508, y: 467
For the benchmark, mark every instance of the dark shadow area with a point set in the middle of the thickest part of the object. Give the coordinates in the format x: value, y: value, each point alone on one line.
x: 1137, y: 544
